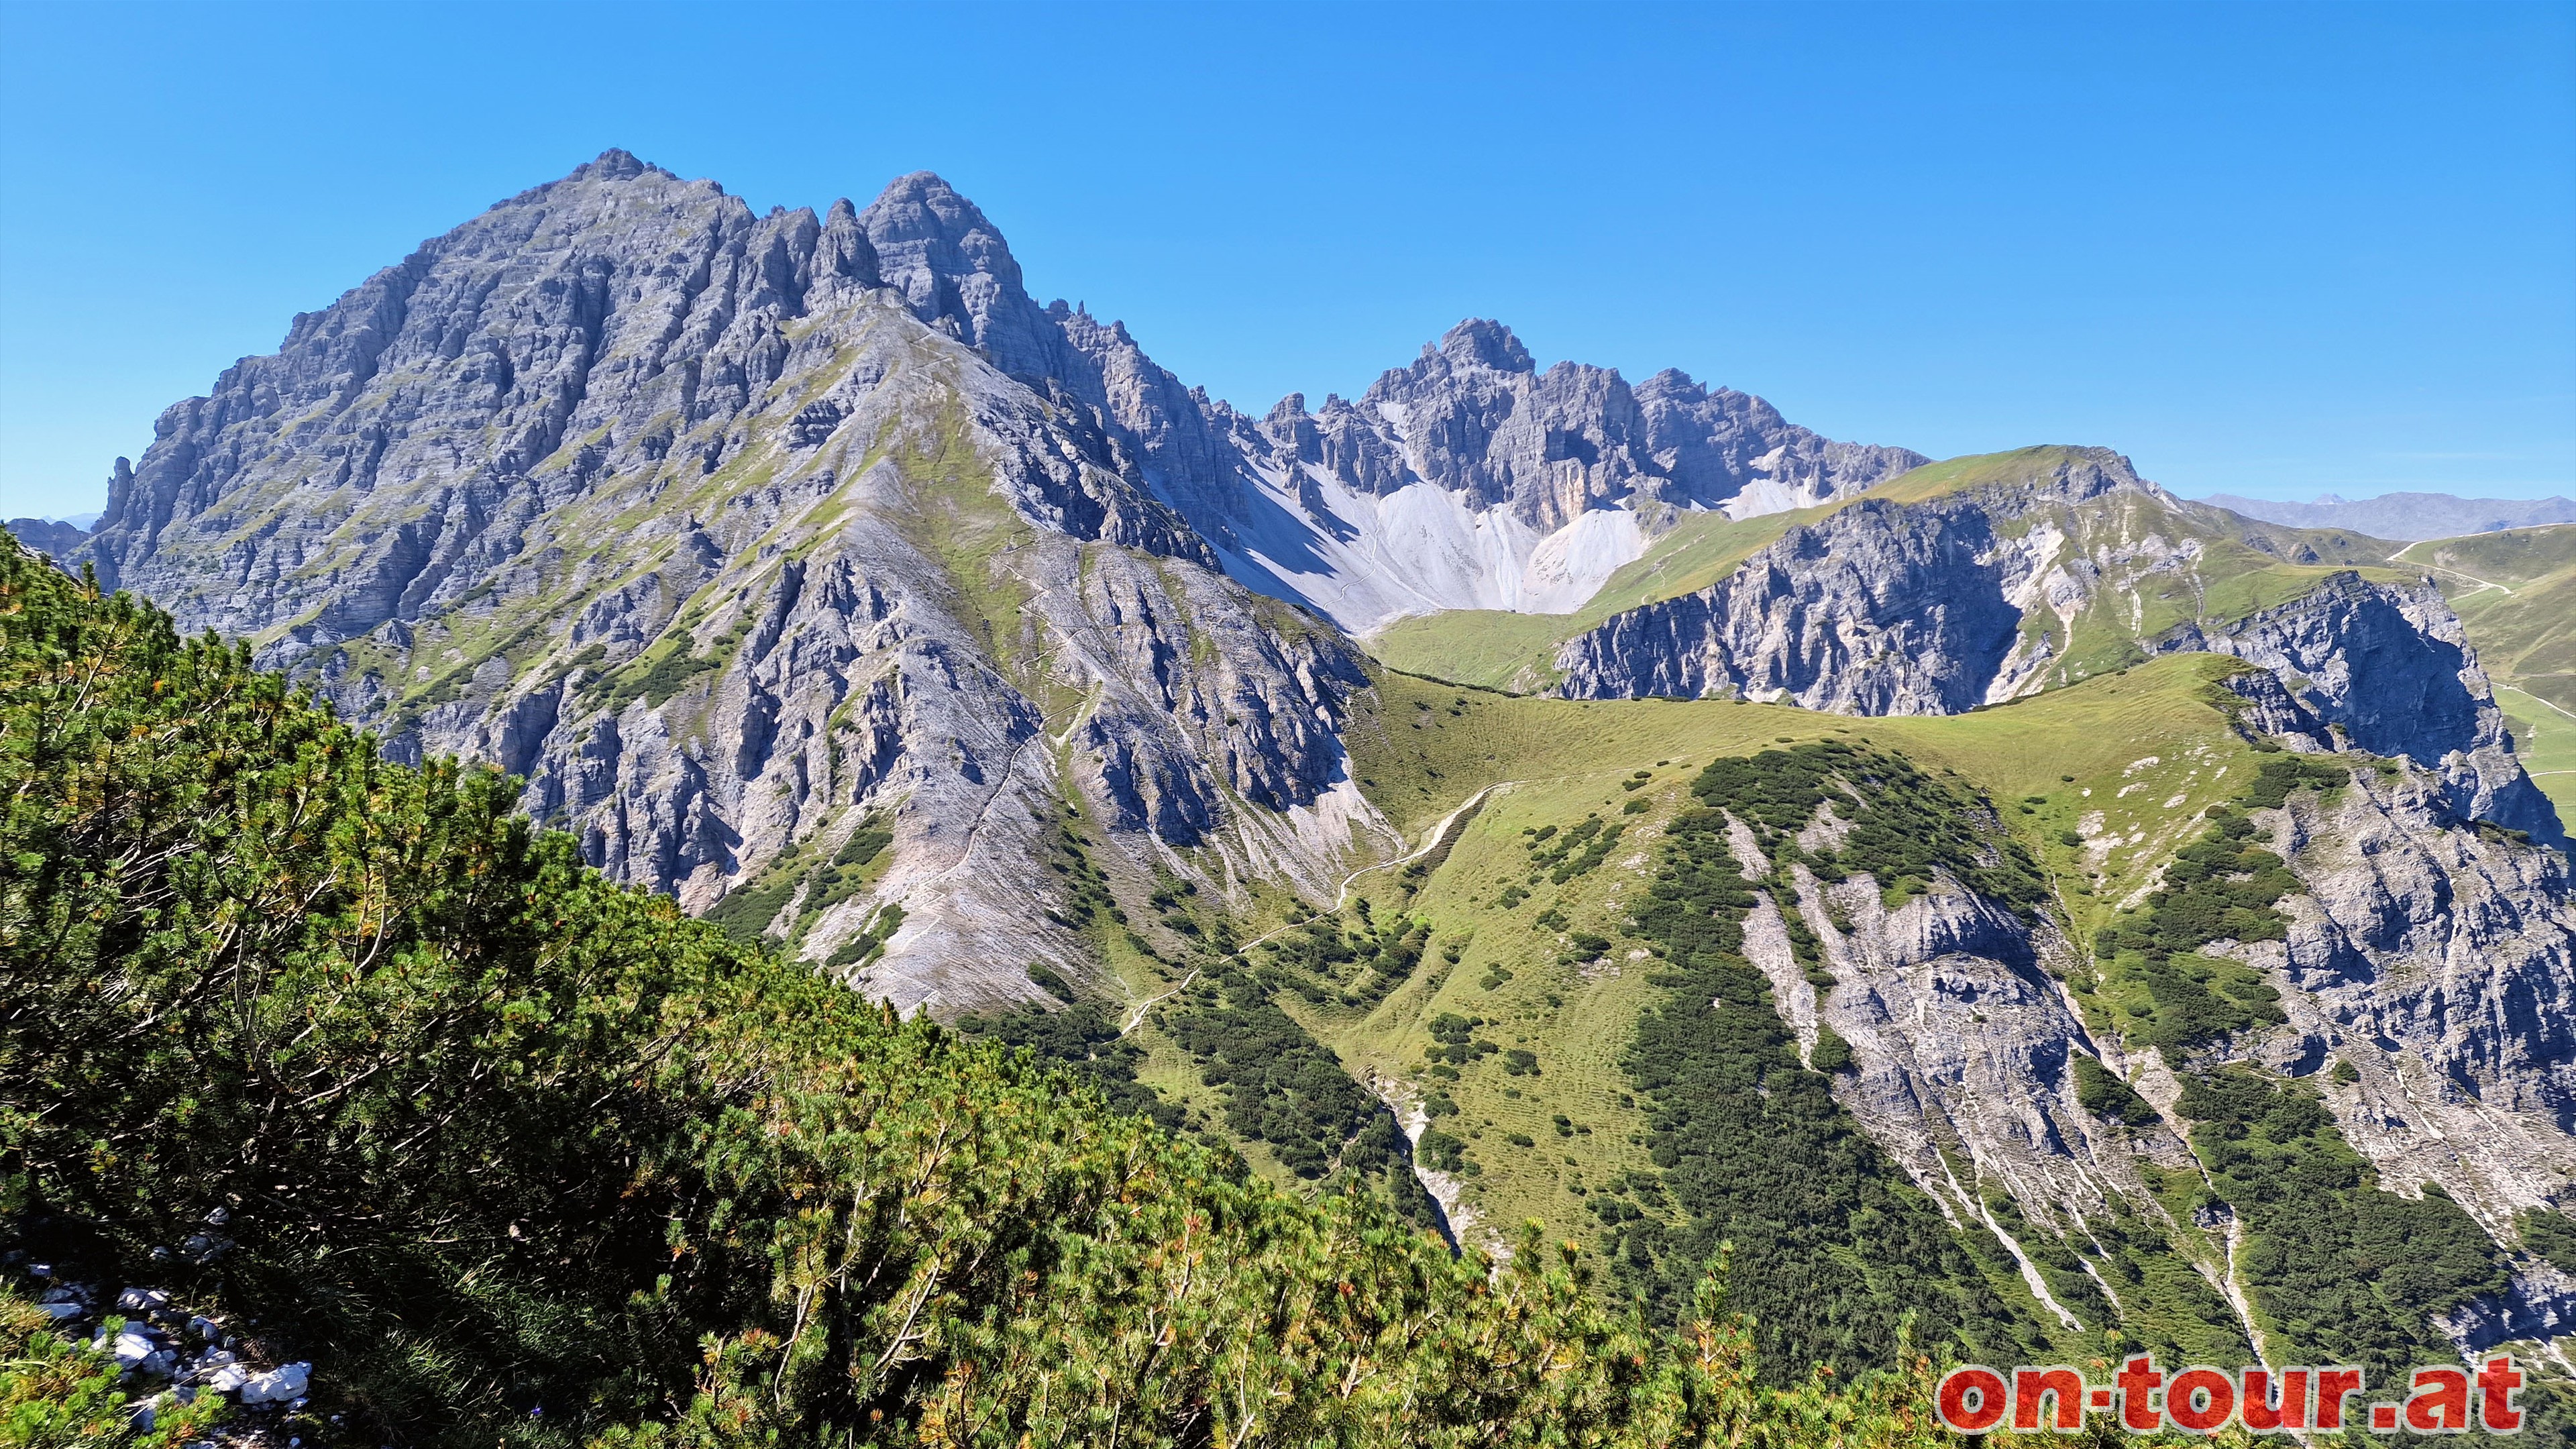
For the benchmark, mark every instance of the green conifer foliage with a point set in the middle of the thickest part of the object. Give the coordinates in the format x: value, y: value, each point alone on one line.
x: 494, y: 1136
x: 1834, y: 1247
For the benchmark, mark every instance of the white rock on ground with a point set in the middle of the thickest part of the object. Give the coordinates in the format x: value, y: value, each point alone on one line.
x: 277, y: 1385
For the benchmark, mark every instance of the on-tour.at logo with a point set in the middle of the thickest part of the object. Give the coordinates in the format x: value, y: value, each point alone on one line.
x: 2441, y: 1399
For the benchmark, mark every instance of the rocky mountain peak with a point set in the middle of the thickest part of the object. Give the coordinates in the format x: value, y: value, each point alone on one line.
x: 1477, y: 357
x: 2090, y: 472
x: 953, y: 267
x: 1480, y: 342
x: 615, y: 164
x: 926, y: 218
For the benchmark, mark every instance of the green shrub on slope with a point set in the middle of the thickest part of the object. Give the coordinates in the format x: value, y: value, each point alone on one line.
x: 2347, y: 1272
x: 1835, y: 1245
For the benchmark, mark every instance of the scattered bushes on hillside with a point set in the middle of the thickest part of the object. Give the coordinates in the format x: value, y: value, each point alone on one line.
x: 2104, y: 1093
x: 2281, y: 774
x: 1834, y: 1246
x: 2345, y: 1272
x: 1284, y: 1088
x: 1578, y: 851
x: 1905, y: 825
x: 1084, y: 1041
x: 1323, y: 963
x: 516, y: 1156
x: 2219, y: 888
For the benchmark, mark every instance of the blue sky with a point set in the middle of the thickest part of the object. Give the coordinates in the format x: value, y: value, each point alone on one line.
x: 2262, y: 248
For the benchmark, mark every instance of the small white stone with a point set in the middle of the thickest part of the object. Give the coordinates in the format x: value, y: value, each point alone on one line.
x: 277, y: 1385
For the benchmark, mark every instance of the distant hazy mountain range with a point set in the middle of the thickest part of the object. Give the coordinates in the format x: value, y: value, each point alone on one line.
x: 2405, y: 515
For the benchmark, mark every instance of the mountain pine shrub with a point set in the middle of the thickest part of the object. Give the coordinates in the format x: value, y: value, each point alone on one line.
x: 515, y: 1155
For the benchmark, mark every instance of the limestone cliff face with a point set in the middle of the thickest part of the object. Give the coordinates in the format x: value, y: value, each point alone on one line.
x: 2388, y: 669
x: 1995, y: 592
x: 1887, y: 607
x: 734, y: 536
x: 1963, y: 1043
x: 2438, y: 960
x: 1878, y: 609
x: 1472, y: 479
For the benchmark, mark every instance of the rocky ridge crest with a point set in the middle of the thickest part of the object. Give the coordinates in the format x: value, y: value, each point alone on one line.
x: 2074, y: 567
x: 729, y: 535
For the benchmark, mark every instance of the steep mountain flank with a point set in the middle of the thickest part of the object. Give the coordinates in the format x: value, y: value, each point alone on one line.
x: 1977, y: 581
x: 2387, y: 668
x: 2515, y: 592
x: 2441, y: 962
x: 746, y: 538
x: 2095, y: 975
x: 1963, y: 583
x: 716, y: 529
x: 396, y: 1124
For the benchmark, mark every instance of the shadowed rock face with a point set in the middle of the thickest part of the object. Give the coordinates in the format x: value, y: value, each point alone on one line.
x: 1876, y: 610
x: 2389, y: 670
x: 1879, y: 607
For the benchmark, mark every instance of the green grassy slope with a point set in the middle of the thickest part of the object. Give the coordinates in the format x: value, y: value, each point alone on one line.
x: 2515, y: 591
x: 2147, y: 751
x: 2100, y: 785
x: 1497, y: 920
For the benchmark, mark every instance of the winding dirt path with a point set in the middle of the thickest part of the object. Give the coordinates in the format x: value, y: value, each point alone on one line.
x: 2400, y: 559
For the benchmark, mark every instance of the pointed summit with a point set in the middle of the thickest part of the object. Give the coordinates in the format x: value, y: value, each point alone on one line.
x: 919, y: 223
x: 615, y: 164
x: 952, y: 266
x: 1481, y: 342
